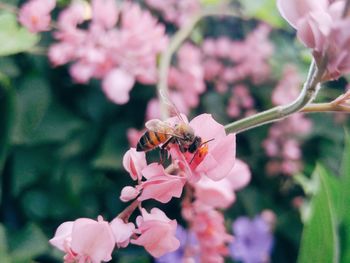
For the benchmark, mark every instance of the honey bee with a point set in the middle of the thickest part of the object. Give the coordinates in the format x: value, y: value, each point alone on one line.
x: 161, y: 134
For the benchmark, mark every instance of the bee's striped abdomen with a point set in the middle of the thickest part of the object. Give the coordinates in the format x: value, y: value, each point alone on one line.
x: 150, y: 140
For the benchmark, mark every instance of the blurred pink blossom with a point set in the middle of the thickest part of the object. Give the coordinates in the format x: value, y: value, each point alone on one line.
x: 283, y: 144
x: 320, y: 26
x: 288, y: 88
x: 208, y: 225
x: 240, y: 101
x: 156, y: 232
x: 119, y: 46
x: 35, y: 15
x: 178, y: 12
x: 117, y: 85
x: 230, y: 61
x: 85, y: 240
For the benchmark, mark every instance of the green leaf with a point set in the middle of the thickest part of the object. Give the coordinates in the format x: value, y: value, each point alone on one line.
x: 345, y: 178
x: 319, y: 241
x: 3, y: 240
x: 344, y: 212
x: 27, y: 244
x: 14, y: 39
x: 7, y: 101
x: 32, y: 104
x: 113, y: 149
x: 265, y: 10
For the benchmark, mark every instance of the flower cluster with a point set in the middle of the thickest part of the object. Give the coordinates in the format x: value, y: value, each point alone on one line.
x: 283, y: 142
x: 324, y: 27
x: 119, y: 45
x: 210, y: 176
x: 228, y: 62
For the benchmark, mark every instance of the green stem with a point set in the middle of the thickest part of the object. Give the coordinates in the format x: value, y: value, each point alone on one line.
x: 176, y: 41
x: 308, y: 93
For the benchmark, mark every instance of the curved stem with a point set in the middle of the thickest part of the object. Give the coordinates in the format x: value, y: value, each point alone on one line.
x: 175, y: 43
x: 127, y: 212
x: 308, y: 93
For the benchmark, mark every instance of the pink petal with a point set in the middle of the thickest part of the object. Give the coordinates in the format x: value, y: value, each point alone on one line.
x: 220, y: 160
x: 93, y: 239
x: 134, y: 162
x: 217, y: 194
x: 122, y: 231
x: 62, y: 235
x: 117, y: 84
x: 162, y: 188
x: 239, y: 175
x: 159, y: 238
x: 128, y: 193
x: 207, y: 128
x: 294, y: 10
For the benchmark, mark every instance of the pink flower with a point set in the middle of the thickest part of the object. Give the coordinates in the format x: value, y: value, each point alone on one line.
x: 122, y: 231
x: 220, y: 194
x: 134, y: 162
x: 156, y: 233
x: 117, y: 84
x: 35, y: 15
x: 320, y: 26
x: 85, y: 240
x: 160, y: 185
x: 220, y: 156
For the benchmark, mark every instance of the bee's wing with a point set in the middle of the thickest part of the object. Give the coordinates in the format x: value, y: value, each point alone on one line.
x: 165, y: 97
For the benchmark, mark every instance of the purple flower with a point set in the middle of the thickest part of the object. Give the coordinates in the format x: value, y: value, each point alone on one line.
x: 187, y: 249
x: 253, y: 240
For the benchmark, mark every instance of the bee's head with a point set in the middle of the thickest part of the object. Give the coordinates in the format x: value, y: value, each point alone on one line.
x: 187, y: 132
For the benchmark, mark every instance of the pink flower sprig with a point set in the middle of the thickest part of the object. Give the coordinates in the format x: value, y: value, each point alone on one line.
x: 322, y: 26
x: 119, y: 46
x: 211, y: 176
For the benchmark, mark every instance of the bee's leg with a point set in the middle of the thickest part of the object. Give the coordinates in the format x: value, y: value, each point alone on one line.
x: 182, y: 148
x: 163, y: 155
x: 170, y: 140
